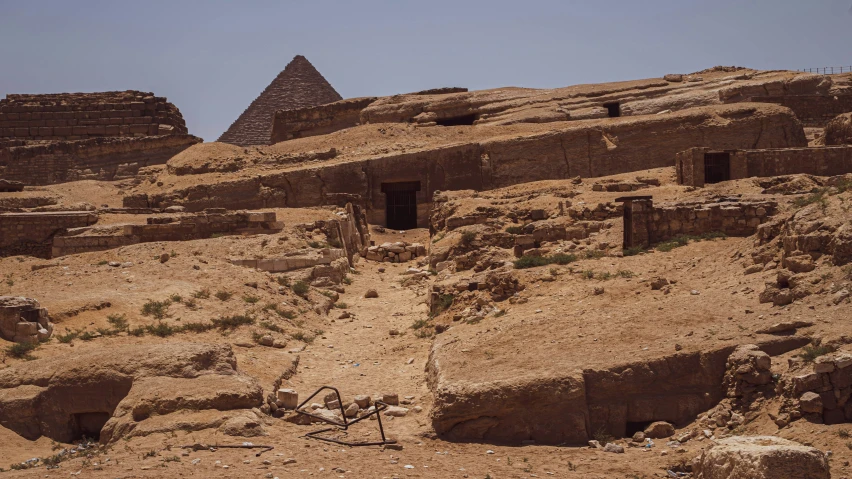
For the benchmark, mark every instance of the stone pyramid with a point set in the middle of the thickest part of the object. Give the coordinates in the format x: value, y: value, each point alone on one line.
x: 299, y: 85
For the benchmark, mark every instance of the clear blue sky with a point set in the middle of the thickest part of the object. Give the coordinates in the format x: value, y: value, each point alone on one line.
x: 212, y: 57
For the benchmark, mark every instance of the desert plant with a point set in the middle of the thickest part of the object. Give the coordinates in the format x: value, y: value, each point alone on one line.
x: 250, y: 299
x: 467, y: 238
x: 445, y: 301
x: 117, y: 321
x: 157, y: 309
x: 232, y: 322
x: 301, y: 288
x: 222, y: 295
x: 22, y: 350
x: 515, y: 230
x: 201, y: 294
x: 160, y: 329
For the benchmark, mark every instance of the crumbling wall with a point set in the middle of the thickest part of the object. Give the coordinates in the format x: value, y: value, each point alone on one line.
x: 318, y: 120
x: 76, y: 116
x: 183, y: 228
x: 33, y: 233
x: 647, y: 224
x: 819, y: 161
x: 23, y: 320
x: 95, y: 158
x: 812, y: 110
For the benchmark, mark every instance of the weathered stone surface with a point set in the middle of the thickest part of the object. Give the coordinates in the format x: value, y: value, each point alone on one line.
x: 760, y: 457
x: 117, y: 391
x: 659, y: 430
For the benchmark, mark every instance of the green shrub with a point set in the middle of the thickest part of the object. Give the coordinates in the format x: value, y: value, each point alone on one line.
x: 445, y: 301
x: 341, y: 305
x: 315, y: 244
x: 593, y: 254
x: 301, y: 336
x: 335, y: 243
x: 160, y: 329
x: 87, y: 336
x: 22, y: 350
x: 420, y: 323
x: 467, y: 238
x: 271, y: 327
x: 117, y: 321
x: 633, y: 250
x: 562, y: 258
x: 67, y: 337
x: 201, y: 294
x: 283, y: 281
x: 196, y: 327
x: 232, y: 322
x: 301, y: 288
x: 250, y: 299
x: 190, y: 303
x: 515, y: 230
x: 529, y: 261
x: 176, y: 298
x: 223, y: 295
x: 157, y: 309
x: 811, y: 352
x: 139, y: 331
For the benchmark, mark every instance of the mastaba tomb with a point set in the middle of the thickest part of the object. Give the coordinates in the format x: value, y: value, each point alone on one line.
x: 55, y: 138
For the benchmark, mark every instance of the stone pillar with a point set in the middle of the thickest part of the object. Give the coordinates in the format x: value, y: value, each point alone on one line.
x: 638, y: 212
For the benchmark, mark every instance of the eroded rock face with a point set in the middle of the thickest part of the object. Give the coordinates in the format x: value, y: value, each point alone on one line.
x: 23, y: 320
x: 112, y: 393
x: 760, y: 457
x: 839, y: 130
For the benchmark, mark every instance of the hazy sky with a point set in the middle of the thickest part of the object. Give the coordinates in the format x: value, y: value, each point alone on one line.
x: 213, y: 57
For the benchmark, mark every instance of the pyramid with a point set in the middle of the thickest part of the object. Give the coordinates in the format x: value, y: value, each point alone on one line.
x: 299, y: 85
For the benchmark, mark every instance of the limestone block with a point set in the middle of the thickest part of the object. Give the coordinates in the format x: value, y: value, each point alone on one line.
x: 289, y: 398
x: 760, y: 457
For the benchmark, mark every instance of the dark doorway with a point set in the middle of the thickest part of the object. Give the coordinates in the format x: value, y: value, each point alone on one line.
x: 632, y: 428
x: 628, y: 226
x: 89, y: 424
x: 613, y: 109
x: 457, y: 120
x: 717, y: 167
x: 401, y: 204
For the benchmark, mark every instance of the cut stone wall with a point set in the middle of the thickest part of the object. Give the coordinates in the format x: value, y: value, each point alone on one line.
x: 819, y: 161
x: 95, y: 158
x: 77, y: 116
x: 398, y: 252
x: 318, y: 120
x: 182, y: 228
x: 812, y: 110
x: 587, y: 149
x: 32, y: 233
x: 646, y: 224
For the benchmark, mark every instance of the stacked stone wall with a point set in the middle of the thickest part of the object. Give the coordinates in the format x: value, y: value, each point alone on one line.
x: 182, y: 228
x: 318, y: 120
x: 95, y: 158
x: 32, y: 233
x: 812, y: 110
x: 649, y: 224
x: 76, y: 116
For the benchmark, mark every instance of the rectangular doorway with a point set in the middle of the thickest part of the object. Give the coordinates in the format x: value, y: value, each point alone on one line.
x: 627, y: 241
x: 613, y: 109
x: 717, y: 167
x: 401, y: 204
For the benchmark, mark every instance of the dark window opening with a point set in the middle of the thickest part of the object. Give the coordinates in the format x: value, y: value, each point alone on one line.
x: 457, y: 120
x: 89, y: 424
x: 613, y: 110
x: 632, y: 428
x: 401, y: 204
x: 717, y: 167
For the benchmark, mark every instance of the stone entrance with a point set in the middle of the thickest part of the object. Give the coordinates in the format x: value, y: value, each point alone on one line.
x: 717, y: 167
x: 401, y: 204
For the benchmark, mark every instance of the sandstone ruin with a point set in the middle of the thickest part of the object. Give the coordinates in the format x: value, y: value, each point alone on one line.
x: 652, y: 275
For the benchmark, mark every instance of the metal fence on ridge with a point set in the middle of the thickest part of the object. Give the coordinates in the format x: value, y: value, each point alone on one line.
x: 827, y: 70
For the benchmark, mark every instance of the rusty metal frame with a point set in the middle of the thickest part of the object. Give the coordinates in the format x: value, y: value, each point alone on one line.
x: 344, y: 425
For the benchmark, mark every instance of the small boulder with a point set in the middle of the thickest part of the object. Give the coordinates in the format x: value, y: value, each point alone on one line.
x: 659, y: 430
x: 811, y: 402
x: 371, y: 293
x: 612, y: 447
x: 266, y: 340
